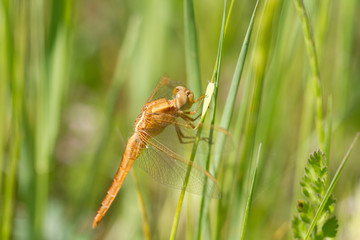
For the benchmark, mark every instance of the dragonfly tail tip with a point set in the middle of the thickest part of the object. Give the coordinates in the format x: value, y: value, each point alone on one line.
x: 94, y: 225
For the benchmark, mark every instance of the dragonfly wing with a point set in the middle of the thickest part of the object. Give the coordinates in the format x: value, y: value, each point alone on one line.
x: 164, y: 89
x: 169, y: 168
x: 171, y: 135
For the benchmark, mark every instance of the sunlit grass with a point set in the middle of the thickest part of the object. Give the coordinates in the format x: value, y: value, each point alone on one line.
x: 71, y: 73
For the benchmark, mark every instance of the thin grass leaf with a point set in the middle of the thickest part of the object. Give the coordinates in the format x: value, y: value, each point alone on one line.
x: 215, y: 80
x: 331, y: 187
x: 248, y: 204
x: 4, y: 84
x: 182, y: 194
x: 229, y: 105
x: 42, y: 143
x: 211, y: 87
x: 17, y: 93
x: 268, y: 22
x: 259, y: 67
x: 231, y: 98
x: 311, y: 50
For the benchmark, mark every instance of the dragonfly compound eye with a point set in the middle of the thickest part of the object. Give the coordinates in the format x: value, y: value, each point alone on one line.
x: 184, y: 98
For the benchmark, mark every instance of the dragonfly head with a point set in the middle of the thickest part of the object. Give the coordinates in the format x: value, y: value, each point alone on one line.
x: 184, y: 98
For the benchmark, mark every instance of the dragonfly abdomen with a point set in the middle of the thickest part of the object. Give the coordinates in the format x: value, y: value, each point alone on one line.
x: 132, y: 152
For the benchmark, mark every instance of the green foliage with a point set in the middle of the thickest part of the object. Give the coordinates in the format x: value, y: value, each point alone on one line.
x: 314, y: 186
x: 71, y: 72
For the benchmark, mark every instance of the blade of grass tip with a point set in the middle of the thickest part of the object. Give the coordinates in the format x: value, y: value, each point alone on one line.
x: 17, y: 90
x: 311, y: 50
x: 331, y: 187
x: 248, y: 204
x: 191, y: 49
x: 259, y: 68
x: 146, y: 225
x: 229, y: 105
x: 328, y: 131
x: 215, y: 79
x: 231, y: 98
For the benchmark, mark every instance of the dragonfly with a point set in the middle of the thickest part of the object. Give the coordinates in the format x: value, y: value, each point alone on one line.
x: 166, y: 118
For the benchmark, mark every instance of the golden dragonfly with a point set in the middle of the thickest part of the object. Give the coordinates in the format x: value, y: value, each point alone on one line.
x: 169, y: 116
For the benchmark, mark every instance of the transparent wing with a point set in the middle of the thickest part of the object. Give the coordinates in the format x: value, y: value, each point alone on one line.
x: 170, y: 168
x: 164, y: 89
x: 179, y: 135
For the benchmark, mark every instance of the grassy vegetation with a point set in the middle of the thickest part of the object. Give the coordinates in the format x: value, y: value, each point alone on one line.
x: 73, y: 74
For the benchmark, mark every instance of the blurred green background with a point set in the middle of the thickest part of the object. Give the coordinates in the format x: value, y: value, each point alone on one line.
x: 75, y: 74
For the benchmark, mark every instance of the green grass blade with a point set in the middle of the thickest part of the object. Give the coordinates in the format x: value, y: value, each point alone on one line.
x: 231, y: 98
x: 331, y: 187
x: 229, y: 107
x: 182, y: 194
x: 42, y: 148
x: 191, y: 49
x: 50, y: 73
x: 261, y: 57
x: 17, y: 93
x: 259, y: 66
x: 4, y: 84
x: 215, y: 80
x: 248, y: 204
x: 266, y: 31
x: 311, y: 50
x: 211, y: 86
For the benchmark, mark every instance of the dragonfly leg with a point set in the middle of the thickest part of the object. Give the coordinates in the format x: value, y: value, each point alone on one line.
x: 197, y: 108
x: 181, y: 135
x: 200, y: 98
x: 190, y: 118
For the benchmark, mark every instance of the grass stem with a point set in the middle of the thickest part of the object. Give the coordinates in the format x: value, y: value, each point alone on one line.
x: 311, y: 50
